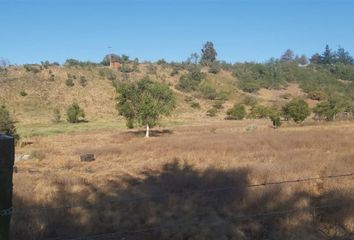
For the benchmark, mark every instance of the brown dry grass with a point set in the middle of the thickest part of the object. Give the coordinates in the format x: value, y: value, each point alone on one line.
x: 201, y: 155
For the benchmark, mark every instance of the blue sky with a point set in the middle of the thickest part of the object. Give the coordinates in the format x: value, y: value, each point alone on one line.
x: 248, y: 30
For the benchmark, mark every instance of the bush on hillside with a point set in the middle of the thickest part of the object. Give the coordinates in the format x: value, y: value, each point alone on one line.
x: 34, y: 68
x: 190, y: 82
x: 69, y: 82
x: 249, y: 85
x: 297, y: 109
x: 218, y: 104
x: 208, y: 92
x: 212, y: 112
x: 259, y: 111
x: 195, y: 105
x: 74, y: 113
x: 317, y: 95
x: 237, y: 112
x: 23, y: 93
x: 83, y: 81
x: 250, y: 101
x: 214, y: 68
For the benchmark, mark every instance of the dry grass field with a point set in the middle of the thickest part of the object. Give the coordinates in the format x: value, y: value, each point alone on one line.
x: 188, y: 182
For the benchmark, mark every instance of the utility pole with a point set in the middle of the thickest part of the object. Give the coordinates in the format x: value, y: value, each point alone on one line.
x: 7, y: 158
x: 110, y: 56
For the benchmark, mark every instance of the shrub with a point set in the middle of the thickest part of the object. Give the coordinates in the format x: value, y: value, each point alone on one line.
x: 317, y: 95
x: 56, y: 115
x: 274, y: 116
x: 188, y: 98
x: 151, y: 69
x: 237, y: 112
x: 69, y: 82
x: 23, y: 93
x: 7, y: 125
x: 52, y: 77
x: 187, y: 84
x: 250, y: 101
x: 259, y: 111
x: 218, y: 104
x: 195, y: 105
x: 214, y: 68
x: 125, y: 68
x: 212, y: 112
x: 297, y: 109
x: 276, y: 121
x: 74, y: 113
x: 249, y: 86
x: 32, y: 68
x: 208, y: 92
x: 190, y: 81
x: 161, y: 62
x: 174, y: 72
x: 83, y: 81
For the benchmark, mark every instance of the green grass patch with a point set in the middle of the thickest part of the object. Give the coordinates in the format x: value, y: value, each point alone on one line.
x: 48, y: 129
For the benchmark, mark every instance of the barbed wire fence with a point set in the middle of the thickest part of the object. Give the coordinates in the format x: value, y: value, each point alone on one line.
x: 182, y: 224
x: 206, y: 223
x: 187, y: 193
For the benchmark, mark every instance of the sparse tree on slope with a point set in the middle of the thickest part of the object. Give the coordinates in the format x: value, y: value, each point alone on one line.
x: 288, y: 56
x: 327, y: 57
x: 344, y: 56
x: 208, y: 53
x: 143, y: 103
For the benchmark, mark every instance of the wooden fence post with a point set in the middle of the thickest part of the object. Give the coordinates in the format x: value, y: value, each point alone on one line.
x: 7, y: 157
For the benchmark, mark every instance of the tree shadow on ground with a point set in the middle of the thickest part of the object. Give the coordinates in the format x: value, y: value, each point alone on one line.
x: 181, y: 202
x: 153, y: 132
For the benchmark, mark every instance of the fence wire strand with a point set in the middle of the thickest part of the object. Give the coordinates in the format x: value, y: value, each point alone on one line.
x: 183, y: 194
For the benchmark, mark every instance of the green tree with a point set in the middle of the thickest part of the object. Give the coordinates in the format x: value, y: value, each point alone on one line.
x: 302, y: 60
x: 259, y: 111
x: 114, y: 57
x: 344, y: 56
x: 7, y: 125
x: 143, y: 103
x: 208, y: 53
x: 330, y: 108
x: 297, y: 109
x: 237, y: 112
x: 327, y: 57
x: 75, y: 113
x: 288, y: 56
x: 315, y: 59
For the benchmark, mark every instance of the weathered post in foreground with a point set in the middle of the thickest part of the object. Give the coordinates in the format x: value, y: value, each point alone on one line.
x: 7, y: 157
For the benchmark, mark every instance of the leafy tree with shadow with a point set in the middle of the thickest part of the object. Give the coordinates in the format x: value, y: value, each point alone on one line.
x: 144, y: 103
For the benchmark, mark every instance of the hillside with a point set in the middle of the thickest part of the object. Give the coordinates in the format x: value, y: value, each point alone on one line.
x: 31, y: 96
